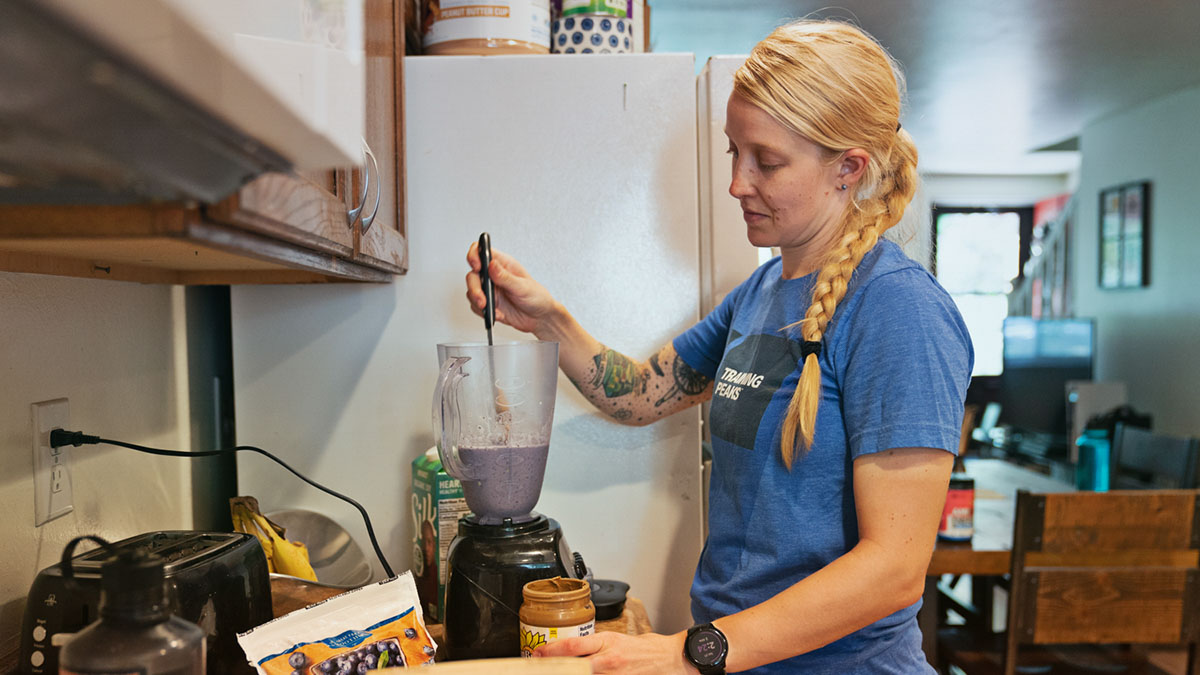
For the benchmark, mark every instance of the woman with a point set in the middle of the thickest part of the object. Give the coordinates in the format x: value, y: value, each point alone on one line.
x: 836, y: 372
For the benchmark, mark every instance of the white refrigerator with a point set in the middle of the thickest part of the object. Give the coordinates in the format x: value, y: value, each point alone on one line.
x: 727, y: 257
x: 584, y: 168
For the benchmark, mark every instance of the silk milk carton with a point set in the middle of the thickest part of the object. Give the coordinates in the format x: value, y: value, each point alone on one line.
x: 437, y: 504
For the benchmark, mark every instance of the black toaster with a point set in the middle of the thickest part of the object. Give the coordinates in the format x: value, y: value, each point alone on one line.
x: 217, y: 580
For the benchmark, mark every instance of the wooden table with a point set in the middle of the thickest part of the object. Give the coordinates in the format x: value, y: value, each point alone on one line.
x: 996, y: 485
x: 988, y: 552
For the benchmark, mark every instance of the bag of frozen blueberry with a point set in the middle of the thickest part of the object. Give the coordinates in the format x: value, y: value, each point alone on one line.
x: 369, y: 628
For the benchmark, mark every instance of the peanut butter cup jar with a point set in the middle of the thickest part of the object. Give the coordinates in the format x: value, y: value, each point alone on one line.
x: 553, y: 609
x: 460, y: 27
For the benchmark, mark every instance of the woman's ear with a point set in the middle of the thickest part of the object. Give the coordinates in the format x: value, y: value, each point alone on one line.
x: 852, y: 165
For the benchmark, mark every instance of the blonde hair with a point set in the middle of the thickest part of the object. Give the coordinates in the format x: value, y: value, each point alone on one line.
x: 836, y: 86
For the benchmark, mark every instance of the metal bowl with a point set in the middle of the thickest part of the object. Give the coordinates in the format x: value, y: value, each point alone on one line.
x: 335, y: 556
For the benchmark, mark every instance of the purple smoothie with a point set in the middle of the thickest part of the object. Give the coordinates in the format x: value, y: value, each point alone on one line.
x: 512, y: 480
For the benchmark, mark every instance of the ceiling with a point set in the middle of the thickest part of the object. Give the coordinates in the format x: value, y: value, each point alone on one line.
x: 988, y: 82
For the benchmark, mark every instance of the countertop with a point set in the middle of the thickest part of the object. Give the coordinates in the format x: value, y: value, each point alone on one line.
x: 289, y: 595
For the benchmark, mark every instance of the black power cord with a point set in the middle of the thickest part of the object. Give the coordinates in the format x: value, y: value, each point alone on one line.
x: 60, y: 437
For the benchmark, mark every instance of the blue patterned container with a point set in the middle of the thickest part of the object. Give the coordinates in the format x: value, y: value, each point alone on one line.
x: 591, y: 34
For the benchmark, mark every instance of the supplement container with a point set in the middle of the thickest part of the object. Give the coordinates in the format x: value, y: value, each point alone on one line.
x: 592, y: 34
x: 958, y: 516
x: 617, y: 8
x: 555, y: 608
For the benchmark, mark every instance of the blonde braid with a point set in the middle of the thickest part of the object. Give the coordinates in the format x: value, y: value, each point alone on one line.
x: 832, y: 282
x: 863, y: 227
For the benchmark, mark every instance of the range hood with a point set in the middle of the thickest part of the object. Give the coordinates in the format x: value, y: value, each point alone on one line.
x: 90, y: 112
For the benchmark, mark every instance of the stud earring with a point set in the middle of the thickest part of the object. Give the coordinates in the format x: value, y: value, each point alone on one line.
x: 843, y: 187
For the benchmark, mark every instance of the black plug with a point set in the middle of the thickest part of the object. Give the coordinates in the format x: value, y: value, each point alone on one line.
x: 61, y: 437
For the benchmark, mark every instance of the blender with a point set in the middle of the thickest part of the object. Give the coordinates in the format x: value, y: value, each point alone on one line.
x: 492, y: 412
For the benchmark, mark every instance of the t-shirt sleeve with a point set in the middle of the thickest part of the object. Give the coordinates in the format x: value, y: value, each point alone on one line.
x: 703, y: 345
x: 905, y: 367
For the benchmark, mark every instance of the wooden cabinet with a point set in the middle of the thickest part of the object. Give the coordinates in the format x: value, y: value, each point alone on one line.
x: 383, y: 245
x: 278, y: 228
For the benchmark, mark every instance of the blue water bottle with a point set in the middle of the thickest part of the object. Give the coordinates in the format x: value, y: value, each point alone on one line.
x: 1091, y: 471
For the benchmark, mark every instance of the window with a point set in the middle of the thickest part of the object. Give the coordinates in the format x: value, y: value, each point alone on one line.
x: 978, y: 252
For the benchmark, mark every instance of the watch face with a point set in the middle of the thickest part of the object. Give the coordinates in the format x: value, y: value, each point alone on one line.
x: 705, y: 648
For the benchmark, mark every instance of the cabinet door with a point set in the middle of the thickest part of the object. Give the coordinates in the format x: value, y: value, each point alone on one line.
x: 383, y: 244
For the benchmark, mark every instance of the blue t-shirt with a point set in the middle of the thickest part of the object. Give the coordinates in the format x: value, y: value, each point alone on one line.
x: 895, y: 363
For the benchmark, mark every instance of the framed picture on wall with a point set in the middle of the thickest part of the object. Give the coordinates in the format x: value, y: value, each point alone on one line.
x: 1124, y: 233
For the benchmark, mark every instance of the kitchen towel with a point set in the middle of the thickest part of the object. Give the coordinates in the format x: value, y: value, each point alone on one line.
x: 592, y: 34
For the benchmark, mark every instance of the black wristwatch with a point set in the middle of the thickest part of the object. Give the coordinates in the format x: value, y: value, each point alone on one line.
x: 706, y: 648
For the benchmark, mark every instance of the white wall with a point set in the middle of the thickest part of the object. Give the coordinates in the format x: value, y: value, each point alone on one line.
x: 111, y: 349
x: 1147, y: 337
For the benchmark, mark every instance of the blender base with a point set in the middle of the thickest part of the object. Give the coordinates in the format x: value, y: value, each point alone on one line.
x: 488, y: 567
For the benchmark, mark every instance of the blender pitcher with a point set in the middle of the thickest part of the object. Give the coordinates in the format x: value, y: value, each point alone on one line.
x: 492, y: 411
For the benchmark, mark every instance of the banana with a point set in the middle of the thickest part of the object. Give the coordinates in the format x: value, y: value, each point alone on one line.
x: 283, y: 556
x: 243, y: 522
x: 290, y: 557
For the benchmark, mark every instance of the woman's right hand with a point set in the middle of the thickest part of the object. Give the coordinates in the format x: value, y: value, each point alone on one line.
x: 520, y: 301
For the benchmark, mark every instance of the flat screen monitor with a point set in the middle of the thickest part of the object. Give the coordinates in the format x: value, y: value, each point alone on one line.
x: 1040, y: 357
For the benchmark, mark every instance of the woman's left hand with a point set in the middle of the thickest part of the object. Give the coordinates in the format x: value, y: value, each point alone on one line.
x: 649, y: 654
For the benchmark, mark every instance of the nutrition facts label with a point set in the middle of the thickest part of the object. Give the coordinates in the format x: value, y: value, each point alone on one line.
x: 533, y: 637
x: 449, y: 511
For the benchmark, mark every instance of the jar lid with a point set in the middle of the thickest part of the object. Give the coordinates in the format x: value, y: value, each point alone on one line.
x: 557, y: 589
x: 608, y: 595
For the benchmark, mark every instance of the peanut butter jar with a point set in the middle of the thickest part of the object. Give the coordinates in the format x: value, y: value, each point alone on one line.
x: 462, y: 27
x: 553, y: 609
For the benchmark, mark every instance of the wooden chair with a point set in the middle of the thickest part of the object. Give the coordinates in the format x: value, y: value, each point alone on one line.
x: 1144, y: 459
x: 1091, y: 569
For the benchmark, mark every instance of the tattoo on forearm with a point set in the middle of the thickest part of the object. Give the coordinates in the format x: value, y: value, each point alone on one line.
x: 622, y: 414
x: 654, y: 364
x: 688, y: 382
x: 600, y: 361
x: 616, y: 373
x: 577, y: 383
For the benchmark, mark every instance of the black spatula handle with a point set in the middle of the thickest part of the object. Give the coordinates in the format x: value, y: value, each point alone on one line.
x: 485, y: 259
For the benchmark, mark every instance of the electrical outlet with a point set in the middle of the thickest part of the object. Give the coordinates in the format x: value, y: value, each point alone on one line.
x: 51, y: 466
